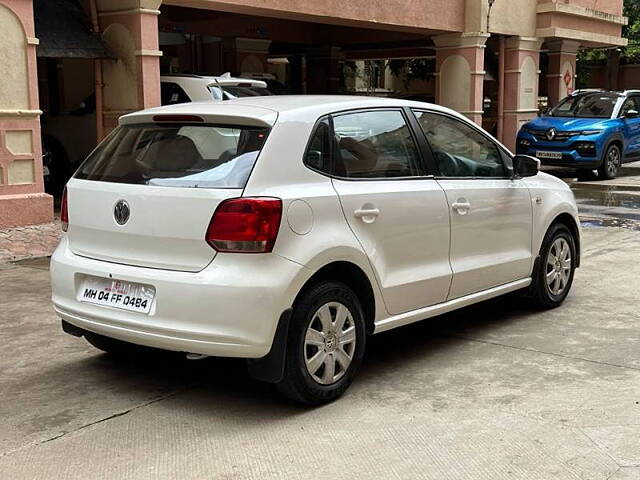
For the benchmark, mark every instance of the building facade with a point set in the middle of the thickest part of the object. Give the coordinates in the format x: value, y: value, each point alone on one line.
x: 309, y: 42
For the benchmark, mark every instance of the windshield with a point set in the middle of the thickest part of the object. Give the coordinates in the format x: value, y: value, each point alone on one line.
x: 590, y: 105
x: 236, y: 91
x: 195, y: 156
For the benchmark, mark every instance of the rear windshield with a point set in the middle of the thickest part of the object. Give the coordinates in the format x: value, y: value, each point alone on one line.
x: 192, y: 156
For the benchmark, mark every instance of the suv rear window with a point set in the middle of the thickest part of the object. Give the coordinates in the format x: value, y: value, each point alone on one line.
x: 176, y: 155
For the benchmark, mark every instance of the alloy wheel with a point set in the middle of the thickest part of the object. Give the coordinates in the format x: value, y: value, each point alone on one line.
x: 558, y: 266
x: 613, y: 162
x: 329, y: 343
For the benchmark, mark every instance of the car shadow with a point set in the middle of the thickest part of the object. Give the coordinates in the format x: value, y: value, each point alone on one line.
x: 216, y: 386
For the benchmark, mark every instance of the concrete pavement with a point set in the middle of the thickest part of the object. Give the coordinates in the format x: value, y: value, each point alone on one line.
x: 490, y: 392
x: 494, y: 391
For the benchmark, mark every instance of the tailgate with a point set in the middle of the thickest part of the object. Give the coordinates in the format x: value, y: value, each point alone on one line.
x: 166, y: 226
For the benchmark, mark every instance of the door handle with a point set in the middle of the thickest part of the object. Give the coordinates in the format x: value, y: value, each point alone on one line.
x: 461, y: 206
x: 367, y: 215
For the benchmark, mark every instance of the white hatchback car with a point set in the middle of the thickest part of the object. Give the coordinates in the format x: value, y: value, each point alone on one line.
x: 285, y: 230
x: 184, y: 88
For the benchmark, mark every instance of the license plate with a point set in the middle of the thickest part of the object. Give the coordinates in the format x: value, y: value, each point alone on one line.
x: 550, y: 155
x: 116, y: 293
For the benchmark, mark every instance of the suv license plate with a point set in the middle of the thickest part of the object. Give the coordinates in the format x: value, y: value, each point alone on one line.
x: 116, y: 293
x: 550, y: 155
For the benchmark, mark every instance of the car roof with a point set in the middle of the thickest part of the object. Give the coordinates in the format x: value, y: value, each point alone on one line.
x: 265, y: 109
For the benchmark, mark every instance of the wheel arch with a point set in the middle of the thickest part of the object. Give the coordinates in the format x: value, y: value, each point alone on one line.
x: 569, y: 221
x: 355, y: 278
x: 615, y: 139
x: 270, y: 368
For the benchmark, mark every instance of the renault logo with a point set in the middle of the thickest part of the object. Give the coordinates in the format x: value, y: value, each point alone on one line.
x: 551, y: 134
x: 121, y: 212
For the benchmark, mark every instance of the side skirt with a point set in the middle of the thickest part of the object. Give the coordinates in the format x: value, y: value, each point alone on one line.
x: 434, y: 310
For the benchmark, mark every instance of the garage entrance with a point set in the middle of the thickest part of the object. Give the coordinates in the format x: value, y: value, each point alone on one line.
x: 66, y: 63
x: 292, y: 56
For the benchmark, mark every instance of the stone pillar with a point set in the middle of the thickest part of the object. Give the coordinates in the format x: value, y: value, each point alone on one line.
x: 562, y: 69
x: 246, y: 55
x: 460, y: 72
x: 131, y: 81
x: 522, y: 63
x: 323, y: 70
x: 22, y: 197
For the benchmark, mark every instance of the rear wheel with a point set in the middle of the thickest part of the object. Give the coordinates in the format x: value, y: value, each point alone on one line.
x: 611, y: 163
x: 553, y: 276
x: 325, y: 345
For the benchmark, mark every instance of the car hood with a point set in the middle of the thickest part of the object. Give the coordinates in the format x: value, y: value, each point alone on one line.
x: 568, y: 123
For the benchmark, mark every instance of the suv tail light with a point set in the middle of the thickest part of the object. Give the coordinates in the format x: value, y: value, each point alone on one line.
x: 245, y: 225
x: 64, y: 211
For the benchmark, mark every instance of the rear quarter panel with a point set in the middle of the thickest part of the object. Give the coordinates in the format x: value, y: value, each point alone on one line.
x: 313, y: 231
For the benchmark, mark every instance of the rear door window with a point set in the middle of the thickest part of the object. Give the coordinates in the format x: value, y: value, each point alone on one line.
x: 195, y: 156
x: 375, y: 144
x: 318, y: 155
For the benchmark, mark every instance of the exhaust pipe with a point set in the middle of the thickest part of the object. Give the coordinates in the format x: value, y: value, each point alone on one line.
x: 196, y: 356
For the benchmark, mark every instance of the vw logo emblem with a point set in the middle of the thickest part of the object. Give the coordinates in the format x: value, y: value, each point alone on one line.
x: 121, y: 212
x: 551, y: 134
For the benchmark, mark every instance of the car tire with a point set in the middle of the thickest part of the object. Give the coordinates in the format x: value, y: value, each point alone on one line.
x: 325, y: 345
x: 610, y: 163
x: 112, y: 346
x: 553, y: 274
x: 585, y: 174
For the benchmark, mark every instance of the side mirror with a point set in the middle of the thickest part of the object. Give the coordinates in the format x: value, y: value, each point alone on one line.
x: 525, y: 166
x: 632, y: 114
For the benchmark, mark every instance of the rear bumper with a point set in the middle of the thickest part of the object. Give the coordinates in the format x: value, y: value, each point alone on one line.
x: 230, y: 309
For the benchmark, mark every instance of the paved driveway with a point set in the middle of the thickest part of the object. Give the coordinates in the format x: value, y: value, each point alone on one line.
x: 495, y: 391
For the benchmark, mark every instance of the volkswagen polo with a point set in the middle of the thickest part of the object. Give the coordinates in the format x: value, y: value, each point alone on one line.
x: 286, y: 230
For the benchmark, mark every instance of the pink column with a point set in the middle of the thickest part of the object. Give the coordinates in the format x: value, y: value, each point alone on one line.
x: 522, y: 63
x: 460, y: 72
x: 22, y: 197
x: 562, y: 69
x: 132, y: 82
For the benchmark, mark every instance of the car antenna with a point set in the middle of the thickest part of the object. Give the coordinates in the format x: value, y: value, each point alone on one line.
x: 220, y: 87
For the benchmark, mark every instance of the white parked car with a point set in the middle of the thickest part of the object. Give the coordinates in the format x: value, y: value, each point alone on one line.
x: 183, y: 88
x: 285, y: 230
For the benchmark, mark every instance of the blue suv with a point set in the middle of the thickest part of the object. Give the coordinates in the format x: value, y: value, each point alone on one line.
x: 587, y: 130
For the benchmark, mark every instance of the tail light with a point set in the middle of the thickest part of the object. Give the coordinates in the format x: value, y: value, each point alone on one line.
x: 245, y: 225
x: 64, y: 211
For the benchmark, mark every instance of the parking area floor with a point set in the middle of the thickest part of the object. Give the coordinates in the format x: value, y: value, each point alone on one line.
x: 494, y: 391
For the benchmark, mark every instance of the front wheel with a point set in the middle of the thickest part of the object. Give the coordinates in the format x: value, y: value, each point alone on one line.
x: 553, y: 276
x: 325, y: 345
x: 610, y: 163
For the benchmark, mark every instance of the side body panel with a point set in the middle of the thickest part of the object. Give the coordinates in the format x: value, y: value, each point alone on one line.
x: 551, y: 198
x: 407, y: 243
x: 491, y: 240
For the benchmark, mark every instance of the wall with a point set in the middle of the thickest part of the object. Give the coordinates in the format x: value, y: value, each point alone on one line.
x: 416, y: 15
x: 22, y: 197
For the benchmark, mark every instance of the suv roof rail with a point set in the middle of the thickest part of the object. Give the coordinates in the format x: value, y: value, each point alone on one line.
x: 587, y: 90
x: 627, y: 92
x: 184, y: 75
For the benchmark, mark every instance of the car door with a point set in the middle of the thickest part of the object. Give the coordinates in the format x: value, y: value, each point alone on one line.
x: 631, y: 127
x: 398, y: 214
x: 491, y: 213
